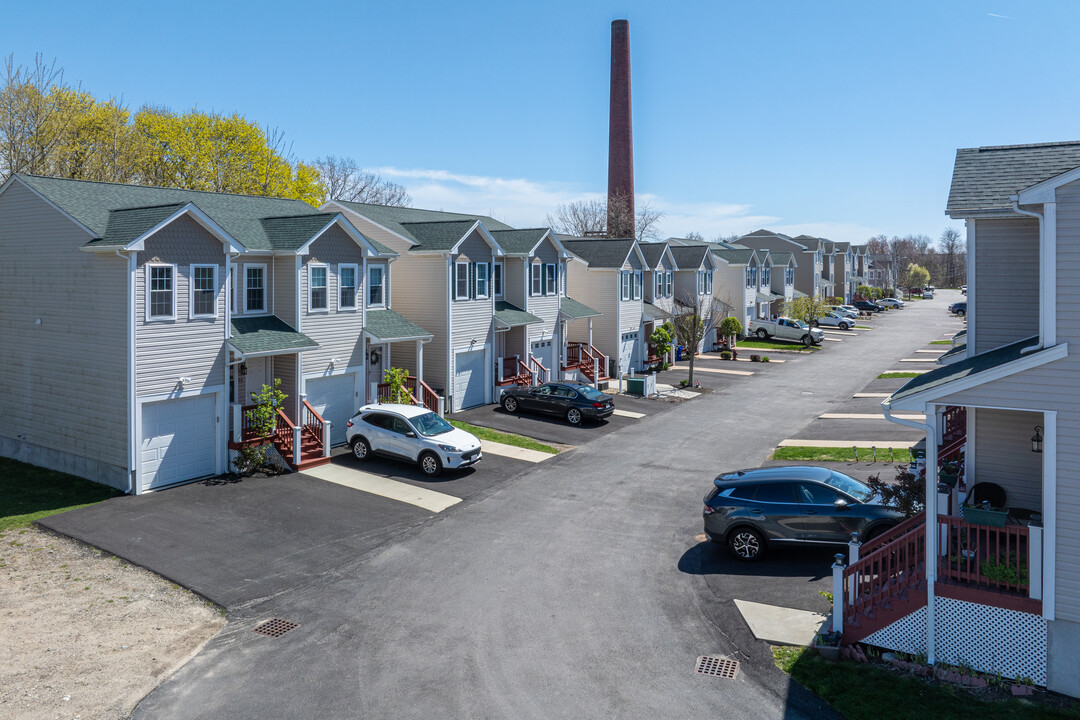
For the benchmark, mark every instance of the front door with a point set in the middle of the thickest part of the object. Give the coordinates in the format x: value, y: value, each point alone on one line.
x: 376, y: 364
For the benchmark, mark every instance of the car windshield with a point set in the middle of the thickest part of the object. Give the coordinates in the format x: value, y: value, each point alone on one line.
x: 430, y: 424
x: 800, y: 323
x: 590, y: 393
x: 849, y: 485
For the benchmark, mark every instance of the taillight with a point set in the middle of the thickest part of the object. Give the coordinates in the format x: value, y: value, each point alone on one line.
x: 598, y: 405
x: 708, y: 510
x: 348, y: 424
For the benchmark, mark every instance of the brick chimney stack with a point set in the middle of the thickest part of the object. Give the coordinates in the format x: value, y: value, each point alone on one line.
x: 620, y: 136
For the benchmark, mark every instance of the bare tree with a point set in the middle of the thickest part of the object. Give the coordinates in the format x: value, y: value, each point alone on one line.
x: 344, y: 179
x: 583, y: 218
x: 953, y: 250
x: 695, y: 317
x: 31, y: 124
x: 694, y: 235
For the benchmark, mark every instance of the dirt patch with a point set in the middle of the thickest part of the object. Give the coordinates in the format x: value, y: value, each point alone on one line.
x: 86, y: 634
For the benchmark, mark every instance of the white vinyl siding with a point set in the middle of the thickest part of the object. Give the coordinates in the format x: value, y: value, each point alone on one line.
x: 204, y: 289
x: 340, y: 337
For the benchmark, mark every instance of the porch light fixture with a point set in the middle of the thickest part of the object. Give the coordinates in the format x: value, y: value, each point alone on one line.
x: 1037, y: 440
x: 333, y: 362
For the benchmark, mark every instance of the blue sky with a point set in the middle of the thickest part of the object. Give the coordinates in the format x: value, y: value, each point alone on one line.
x: 838, y: 119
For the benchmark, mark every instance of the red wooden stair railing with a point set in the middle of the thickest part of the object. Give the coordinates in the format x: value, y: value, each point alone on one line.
x: 885, y: 585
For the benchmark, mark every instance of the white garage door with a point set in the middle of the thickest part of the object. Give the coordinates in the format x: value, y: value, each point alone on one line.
x: 178, y: 441
x: 468, y: 379
x: 335, y: 399
x: 544, y: 351
x: 628, y: 351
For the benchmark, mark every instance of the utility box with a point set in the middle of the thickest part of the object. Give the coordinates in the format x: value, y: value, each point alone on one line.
x: 643, y: 385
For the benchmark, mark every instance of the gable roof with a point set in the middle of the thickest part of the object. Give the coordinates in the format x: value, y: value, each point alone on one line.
x: 767, y: 233
x: 394, y: 218
x: 267, y: 335
x: 734, y: 256
x: 605, y: 253
x: 652, y: 253
x: 130, y: 207
x: 783, y: 258
x: 985, y: 177
x: 520, y: 242
x: 438, y: 235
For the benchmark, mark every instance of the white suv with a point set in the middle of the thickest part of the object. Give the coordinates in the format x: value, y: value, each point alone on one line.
x: 413, y: 433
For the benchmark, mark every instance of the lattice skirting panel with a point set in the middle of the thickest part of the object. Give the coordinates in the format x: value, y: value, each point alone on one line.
x: 908, y: 634
x: 991, y: 639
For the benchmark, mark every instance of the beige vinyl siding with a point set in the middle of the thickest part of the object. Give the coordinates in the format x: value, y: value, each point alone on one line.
x: 1006, y: 303
x: 284, y: 274
x: 338, y: 333
x: 685, y: 282
x: 420, y: 294
x: 729, y: 283
x: 379, y: 234
x: 471, y: 320
x: 599, y: 289
x: 73, y: 365
x: 166, y: 350
x: 546, y: 307
x: 284, y: 367
x: 1002, y: 455
x: 270, y: 281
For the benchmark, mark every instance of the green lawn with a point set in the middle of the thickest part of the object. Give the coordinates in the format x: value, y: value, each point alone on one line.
x: 505, y: 438
x: 826, y: 454
x: 864, y: 692
x: 890, y: 375
x: 941, y: 342
x: 863, y: 327
x: 28, y: 492
x: 771, y: 345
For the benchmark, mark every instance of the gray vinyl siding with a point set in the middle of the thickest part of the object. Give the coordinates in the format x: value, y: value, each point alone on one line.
x: 284, y: 274
x: 420, y: 294
x: 166, y: 350
x: 339, y: 333
x: 685, y: 282
x: 546, y: 307
x: 284, y: 367
x: 471, y: 320
x: 73, y: 365
x: 1002, y: 455
x: 599, y: 289
x: 729, y: 286
x: 1006, y: 303
x: 514, y: 279
x: 271, y: 301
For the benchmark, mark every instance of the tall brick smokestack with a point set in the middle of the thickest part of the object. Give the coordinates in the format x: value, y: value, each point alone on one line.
x: 620, y: 137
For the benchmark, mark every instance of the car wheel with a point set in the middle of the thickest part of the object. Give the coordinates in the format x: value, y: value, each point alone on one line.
x: 360, y: 448
x: 807, y: 340
x: 961, y: 313
x: 843, y: 326
x: 573, y: 416
x: 429, y: 463
x: 763, y: 334
x: 746, y: 544
x: 510, y: 404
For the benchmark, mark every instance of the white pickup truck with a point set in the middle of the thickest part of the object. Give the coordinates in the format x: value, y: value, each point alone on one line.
x: 786, y: 329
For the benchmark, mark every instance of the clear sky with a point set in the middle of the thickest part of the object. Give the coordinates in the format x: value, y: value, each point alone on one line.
x: 839, y: 119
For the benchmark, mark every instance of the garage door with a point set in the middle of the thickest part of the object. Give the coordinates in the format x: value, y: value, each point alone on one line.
x: 469, y: 379
x: 544, y: 351
x: 335, y: 399
x: 178, y: 441
x: 628, y: 351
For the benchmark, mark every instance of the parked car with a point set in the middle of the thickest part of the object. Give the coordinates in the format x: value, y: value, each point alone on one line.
x: 845, y: 310
x: 959, y: 308
x: 786, y: 329
x: 412, y: 433
x: 963, y: 289
x: 574, y: 401
x: 753, y: 510
x: 927, y: 294
x: 891, y: 302
x: 867, y: 306
x: 835, y: 319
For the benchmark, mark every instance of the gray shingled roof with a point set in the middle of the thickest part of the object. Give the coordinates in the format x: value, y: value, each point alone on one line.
x: 964, y: 368
x: 689, y: 258
x: 602, y: 253
x: 242, y: 216
x: 652, y: 252
x: 388, y: 325
x: 268, y: 334
x: 512, y: 316
x: 734, y: 257
x: 393, y: 218
x: 518, y: 241
x: 985, y: 177
x: 767, y: 233
x: 575, y: 310
x: 440, y: 235
x: 946, y: 357
x: 654, y: 314
x: 782, y: 258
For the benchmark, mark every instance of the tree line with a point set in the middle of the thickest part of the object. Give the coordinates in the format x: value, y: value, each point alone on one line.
x: 945, y: 263
x: 50, y: 127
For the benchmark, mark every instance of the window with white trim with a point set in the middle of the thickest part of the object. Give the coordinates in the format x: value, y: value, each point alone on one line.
x: 700, y: 282
x: 659, y: 284
x: 497, y: 279
x: 749, y: 281
x: 461, y: 281
x: 160, y: 292
x: 789, y: 276
x: 203, y: 298
x: 375, y: 286
x: 637, y: 285
x: 708, y: 282
x: 318, y: 285
x: 766, y: 276
x: 624, y: 285
x: 347, y: 286
x: 481, y: 280
x: 536, y: 280
x: 254, y: 288
x: 550, y: 286
x: 668, y: 283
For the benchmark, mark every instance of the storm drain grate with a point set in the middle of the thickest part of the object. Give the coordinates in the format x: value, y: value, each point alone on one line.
x: 717, y: 666
x: 276, y: 627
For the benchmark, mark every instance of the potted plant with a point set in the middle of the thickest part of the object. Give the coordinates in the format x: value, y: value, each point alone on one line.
x: 827, y: 645
x: 948, y: 473
x: 985, y: 514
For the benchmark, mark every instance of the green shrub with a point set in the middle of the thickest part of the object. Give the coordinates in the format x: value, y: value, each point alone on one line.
x: 764, y: 358
x: 725, y: 355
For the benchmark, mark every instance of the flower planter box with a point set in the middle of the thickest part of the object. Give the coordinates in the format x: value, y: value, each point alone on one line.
x: 827, y: 652
x: 982, y: 516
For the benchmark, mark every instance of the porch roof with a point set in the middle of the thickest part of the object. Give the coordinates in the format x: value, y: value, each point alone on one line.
x: 511, y: 315
x: 387, y: 325
x: 799, y: 294
x: 972, y: 372
x: 955, y: 353
x: 267, y: 335
x: 652, y: 313
x: 575, y: 310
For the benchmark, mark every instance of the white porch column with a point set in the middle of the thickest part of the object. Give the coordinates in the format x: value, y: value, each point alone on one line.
x: 562, y: 350
x: 590, y: 331
x: 296, y: 445
x: 931, y: 411
x: 1049, y: 512
x: 237, y: 422
x: 1035, y: 562
x: 838, y: 593
x: 326, y: 438
x: 420, y: 360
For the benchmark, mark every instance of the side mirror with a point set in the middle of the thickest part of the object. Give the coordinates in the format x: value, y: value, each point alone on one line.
x: 410, y: 433
x: 840, y: 504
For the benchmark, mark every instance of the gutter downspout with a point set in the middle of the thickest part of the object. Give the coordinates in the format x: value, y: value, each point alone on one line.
x: 133, y: 442
x: 1042, y: 290
x: 931, y: 519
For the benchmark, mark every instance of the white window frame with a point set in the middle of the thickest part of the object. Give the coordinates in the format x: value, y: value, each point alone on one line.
x: 624, y: 285
x: 381, y: 269
x: 659, y: 284
x: 766, y: 276
x: 487, y: 290
x: 265, y: 308
x: 669, y: 283
x: 497, y: 279
x: 191, y: 291
x: 749, y: 283
x: 708, y: 282
x: 536, y: 279
x: 459, y: 267
x: 232, y: 288
x: 148, y: 292
x: 638, y: 281
x: 551, y: 279
x: 311, y: 288
x: 355, y: 287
